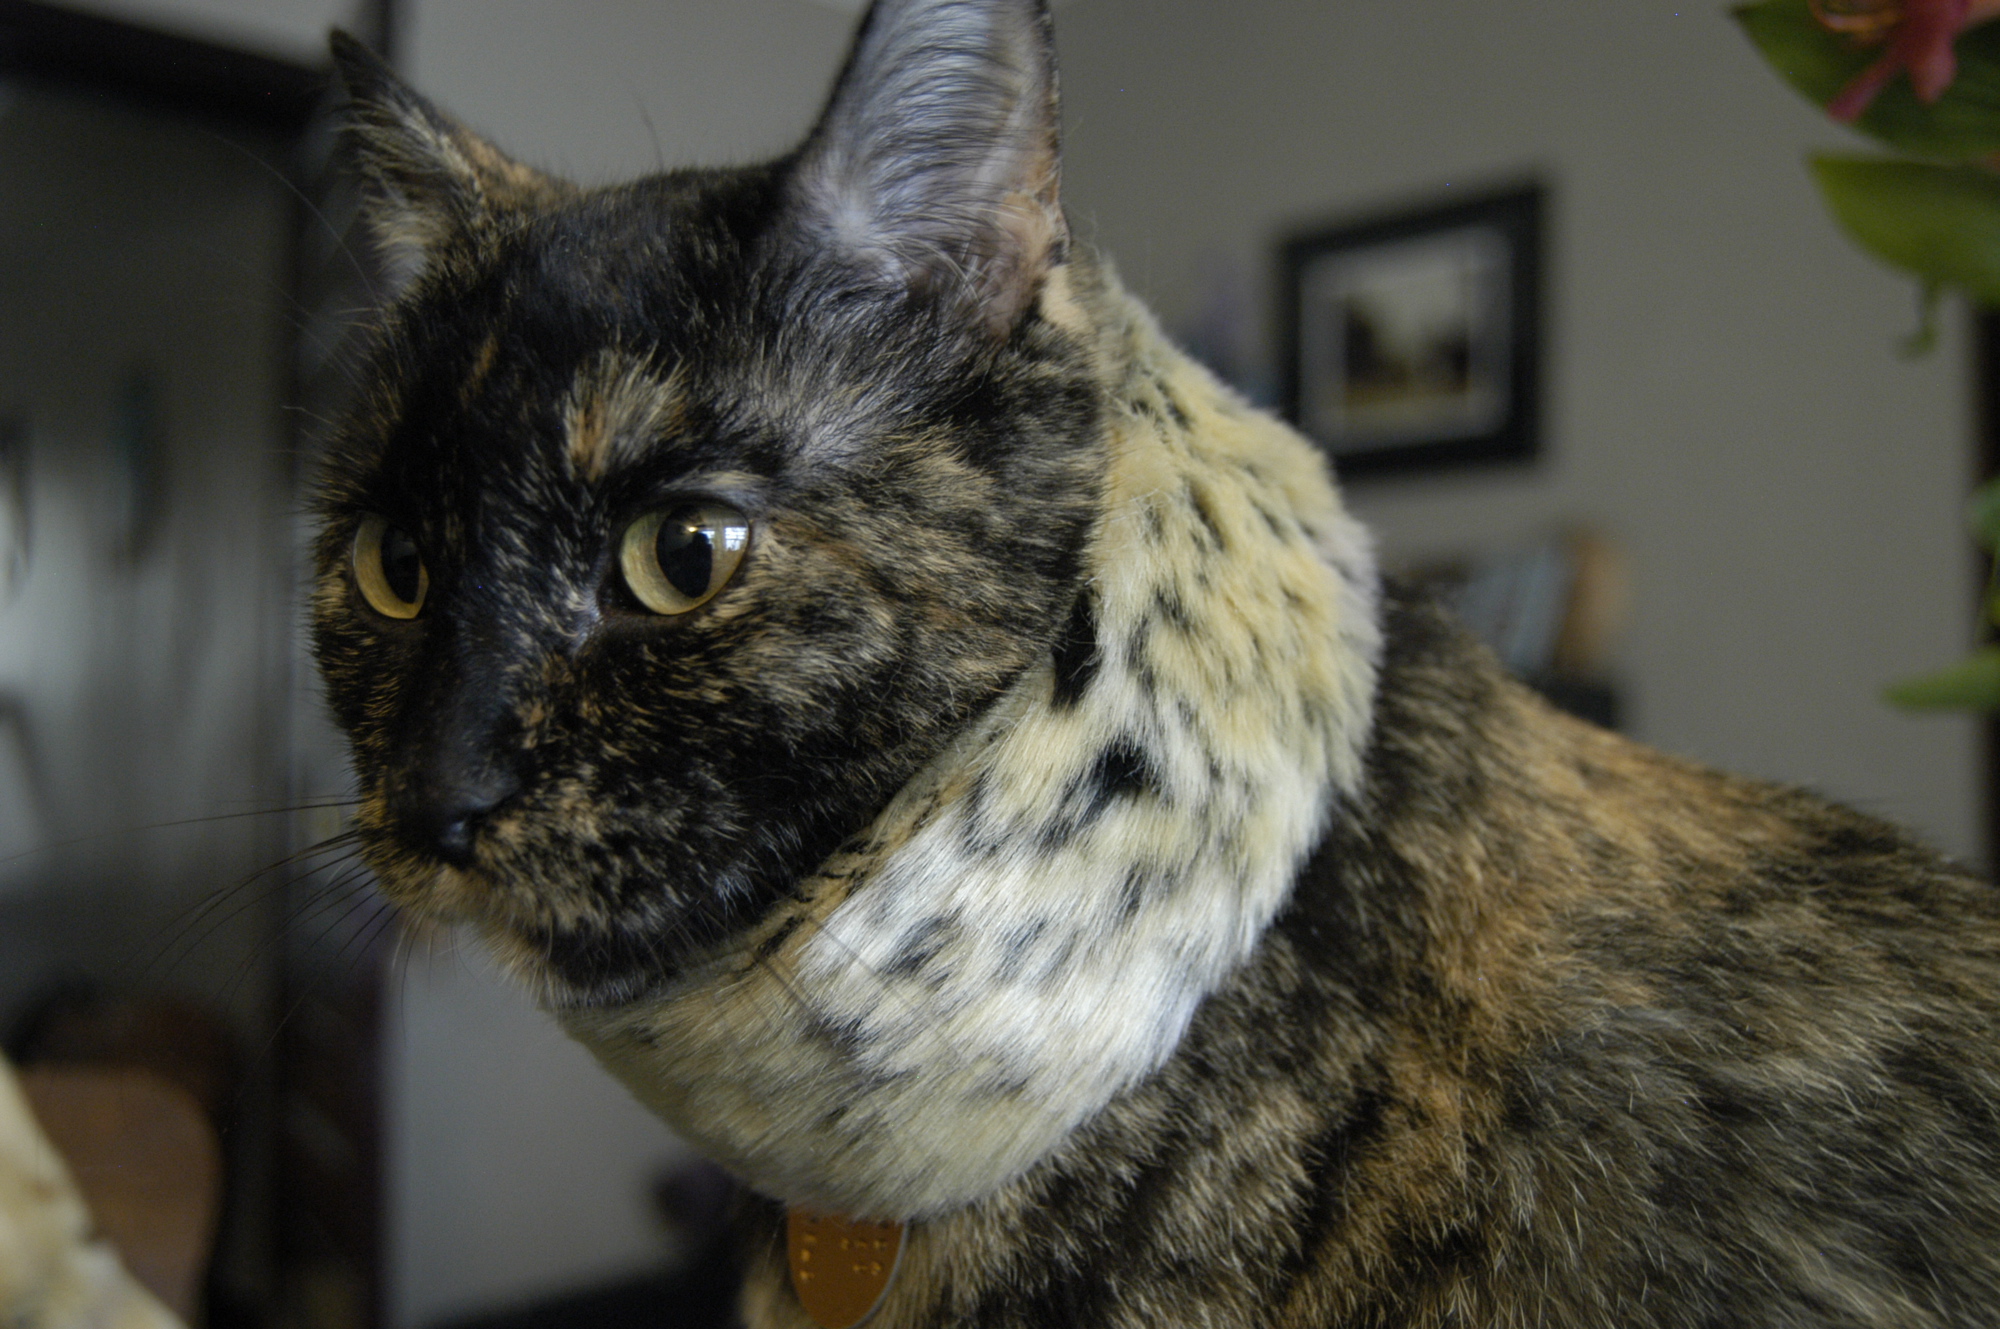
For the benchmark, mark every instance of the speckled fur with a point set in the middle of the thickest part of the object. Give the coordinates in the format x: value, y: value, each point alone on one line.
x: 1054, y: 836
x: 1025, y: 930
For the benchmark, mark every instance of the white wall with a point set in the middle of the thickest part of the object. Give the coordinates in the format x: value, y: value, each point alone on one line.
x: 1725, y: 398
x: 516, y: 1166
x: 602, y: 90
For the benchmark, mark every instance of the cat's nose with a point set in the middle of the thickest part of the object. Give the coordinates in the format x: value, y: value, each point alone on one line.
x: 447, y: 816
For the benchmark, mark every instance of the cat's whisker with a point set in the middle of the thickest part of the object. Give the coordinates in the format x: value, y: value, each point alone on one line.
x: 311, y: 207
x: 818, y: 925
x: 95, y: 837
x: 345, y: 881
x: 342, y: 908
x: 325, y: 424
x: 310, y: 990
x: 367, y: 935
x: 652, y: 132
x: 207, y: 909
x: 217, y: 899
x: 348, y: 890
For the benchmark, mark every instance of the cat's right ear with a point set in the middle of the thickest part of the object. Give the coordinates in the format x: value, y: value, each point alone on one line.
x: 433, y: 186
x: 934, y: 169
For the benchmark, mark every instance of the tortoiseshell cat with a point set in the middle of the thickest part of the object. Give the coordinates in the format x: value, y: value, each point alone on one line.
x: 958, y: 764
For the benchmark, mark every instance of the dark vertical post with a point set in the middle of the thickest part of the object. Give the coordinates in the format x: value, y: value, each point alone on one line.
x: 1986, y: 459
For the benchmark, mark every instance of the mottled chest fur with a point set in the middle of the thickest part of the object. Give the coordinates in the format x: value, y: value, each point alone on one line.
x: 958, y: 764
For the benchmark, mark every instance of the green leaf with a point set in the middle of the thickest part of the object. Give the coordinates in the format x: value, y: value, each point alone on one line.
x: 1970, y: 685
x: 1962, y: 125
x: 1983, y: 514
x: 1940, y: 222
x: 1923, y: 339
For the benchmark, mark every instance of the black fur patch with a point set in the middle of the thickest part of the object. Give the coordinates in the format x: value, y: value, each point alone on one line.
x: 1120, y: 771
x: 921, y: 944
x: 1198, y: 500
x: 1078, y: 656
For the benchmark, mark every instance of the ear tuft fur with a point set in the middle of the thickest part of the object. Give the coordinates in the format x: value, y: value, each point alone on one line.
x: 433, y: 184
x: 935, y: 168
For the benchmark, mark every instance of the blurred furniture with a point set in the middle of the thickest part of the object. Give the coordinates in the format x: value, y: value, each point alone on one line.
x: 55, y: 1271
x: 177, y: 1039
x: 142, y: 1152
x: 135, y: 1090
x: 1552, y: 611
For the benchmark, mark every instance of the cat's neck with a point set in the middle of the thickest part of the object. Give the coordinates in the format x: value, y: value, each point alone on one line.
x: 1027, y: 928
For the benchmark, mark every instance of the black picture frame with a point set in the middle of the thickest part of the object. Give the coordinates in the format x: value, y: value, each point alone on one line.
x: 1411, y: 340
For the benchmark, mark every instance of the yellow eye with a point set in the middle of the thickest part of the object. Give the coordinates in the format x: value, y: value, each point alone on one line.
x: 676, y: 559
x: 389, y: 570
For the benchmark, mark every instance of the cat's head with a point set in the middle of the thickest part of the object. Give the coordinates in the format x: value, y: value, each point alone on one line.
x: 678, y: 522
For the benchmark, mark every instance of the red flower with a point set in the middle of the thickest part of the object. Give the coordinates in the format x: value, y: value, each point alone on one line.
x: 1920, y: 34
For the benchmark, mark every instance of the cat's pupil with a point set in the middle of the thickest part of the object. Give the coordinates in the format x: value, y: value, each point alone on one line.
x: 402, y: 565
x: 686, y: 550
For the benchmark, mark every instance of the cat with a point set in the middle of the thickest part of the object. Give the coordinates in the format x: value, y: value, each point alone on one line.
x: 961, y: 766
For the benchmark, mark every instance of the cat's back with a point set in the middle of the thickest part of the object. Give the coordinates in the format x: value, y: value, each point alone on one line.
x: 1654, y: 1044
x: 1555, y: 1030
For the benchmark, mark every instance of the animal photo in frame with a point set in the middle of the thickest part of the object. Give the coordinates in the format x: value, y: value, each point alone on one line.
x: 1411, y: 340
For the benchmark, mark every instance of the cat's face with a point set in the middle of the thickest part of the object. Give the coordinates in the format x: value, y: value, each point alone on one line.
x: 680, y: 522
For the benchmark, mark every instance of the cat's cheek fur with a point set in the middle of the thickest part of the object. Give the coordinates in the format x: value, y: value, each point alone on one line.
x: 1027, y: 929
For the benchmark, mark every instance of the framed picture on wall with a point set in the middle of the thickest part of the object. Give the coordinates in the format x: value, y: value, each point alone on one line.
x: 1412, y: 340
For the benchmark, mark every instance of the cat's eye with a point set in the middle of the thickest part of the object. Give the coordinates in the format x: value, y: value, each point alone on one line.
x: 676, y: 559
x: 389, y: 569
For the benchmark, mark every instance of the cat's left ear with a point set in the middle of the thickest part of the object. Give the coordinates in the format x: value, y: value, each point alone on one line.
x: 433, y: 184
x: 935, y: 168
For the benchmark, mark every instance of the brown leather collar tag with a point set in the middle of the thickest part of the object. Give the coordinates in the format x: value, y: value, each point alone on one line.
x: 840, y: 1268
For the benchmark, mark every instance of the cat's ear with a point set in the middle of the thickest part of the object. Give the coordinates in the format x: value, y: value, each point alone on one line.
x: 935, y: 167
x: 433, y: 184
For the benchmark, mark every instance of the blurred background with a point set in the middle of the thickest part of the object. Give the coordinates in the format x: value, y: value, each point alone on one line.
x: 1767, y: 498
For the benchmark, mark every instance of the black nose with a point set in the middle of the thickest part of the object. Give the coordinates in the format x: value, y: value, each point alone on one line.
x: 446, y: 816
x: 461, y: 755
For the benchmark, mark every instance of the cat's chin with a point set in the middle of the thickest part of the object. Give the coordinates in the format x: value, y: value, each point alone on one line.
x: 520, y: 959
x: 557, y: 991
x: 559, y: 932
x: 599, y: 979
x: 521, y: 954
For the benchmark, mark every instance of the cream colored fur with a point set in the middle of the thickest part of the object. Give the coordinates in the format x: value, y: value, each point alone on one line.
x: 942, y: 1006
